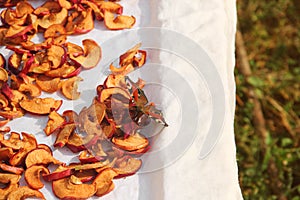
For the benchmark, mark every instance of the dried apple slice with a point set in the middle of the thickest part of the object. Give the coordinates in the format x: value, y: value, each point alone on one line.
x: 55, y: 31
x: 91, y: 57
x: 30, y: 144
x: 32, y: 176
x: 104, y: 180
x: 23, y: 8
x: 11, y: 169
x: 28, y: 45
x: 6, y: 153
x: 64, y: 134
x: 101, y: 193
x: 56, y: 55
x: 131, y: 143
x: 96, y: 10
x: 31, y: 89
x: 15, y: 31
x: 12, y: 181
x: 128, y: 57
x: 65, y: 71
x: 9, y: 17
x: 45, y: 147
x: 118, y: 23
x: 74, y: 49
x: 110, y: 6
x: 128, y: 166
x: 82, y: 23
x: 53, y: 18
x: 48, y: 84
x: 14, y: 141
x: 65, y: 189
x: 11, y: 114
x: 9, y: 178
x: 14, y: 61
x: 76, y: 143
x: 69, y: 88
x: 114, y: 81
x: 38, y: 157
x: 71, y: 116
x: 24, y: 192
x: 65, y: 4
x: 55, y: 122
x: 122, y: 71
x: 40, y: 105
x: 114, y: 91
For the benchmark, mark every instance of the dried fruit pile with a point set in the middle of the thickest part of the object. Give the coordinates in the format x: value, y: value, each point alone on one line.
x: 53, y: 64
x: 108, y: 135
x: 18, y: 155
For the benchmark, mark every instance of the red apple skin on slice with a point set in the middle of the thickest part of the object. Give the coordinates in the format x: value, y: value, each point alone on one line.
x: 11, y: 169
x: 58, y: 175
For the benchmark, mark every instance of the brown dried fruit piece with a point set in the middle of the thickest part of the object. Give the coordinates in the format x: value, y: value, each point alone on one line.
x: 38, y: 157
x: 32, y: 176
x: 55, y: 122
x: 24, y: 192
x: 40, y: 105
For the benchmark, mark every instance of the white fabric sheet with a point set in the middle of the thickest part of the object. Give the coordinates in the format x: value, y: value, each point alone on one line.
x: 211, y: 24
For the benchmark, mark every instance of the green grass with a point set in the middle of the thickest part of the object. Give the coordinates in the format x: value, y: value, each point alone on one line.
x: 271, y: 32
